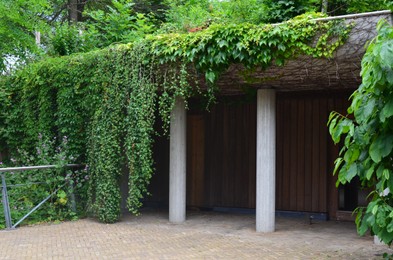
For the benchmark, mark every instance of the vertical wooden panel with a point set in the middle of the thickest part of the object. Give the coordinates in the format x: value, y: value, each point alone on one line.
x: 230, y: 155
x: 159, y: 184
x: 293, y: 171
x: 241, y: 180
x: 279, y: 155
x: 195, y: 159
x: 286, y: 156
x: 225, y: 155
x: 250, y: 128
x: 302, y: 123
x: 308, y: 156
x: 323, y: 132
x: 332, y: 154
x: 300, y: 196
x: 214, y: 148
x: 315, y: 156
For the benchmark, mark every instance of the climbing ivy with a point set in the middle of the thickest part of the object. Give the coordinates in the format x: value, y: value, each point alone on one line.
x: 106, y: 101
x: 213, y: 50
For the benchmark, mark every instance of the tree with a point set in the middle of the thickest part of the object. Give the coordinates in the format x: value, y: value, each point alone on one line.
x: 368, y: 138
x: 119, y: 24
x: 340, y: 7
x: 19, y: 20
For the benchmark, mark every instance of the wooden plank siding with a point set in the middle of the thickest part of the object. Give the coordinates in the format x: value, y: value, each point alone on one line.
x: 230, y: 155
x: 305, y: 152
x: 221, y: 153
x: 196, y: 160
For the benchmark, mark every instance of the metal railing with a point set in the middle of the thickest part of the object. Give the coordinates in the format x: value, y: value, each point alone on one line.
x: 5, y: 200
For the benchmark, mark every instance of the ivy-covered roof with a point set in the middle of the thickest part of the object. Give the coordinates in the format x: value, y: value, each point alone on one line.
x: 341, y: 71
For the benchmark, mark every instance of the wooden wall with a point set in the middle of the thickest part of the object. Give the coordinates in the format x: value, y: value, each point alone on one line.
x: 305, y: 152
x: 221, y: 156
x: 230, y: 141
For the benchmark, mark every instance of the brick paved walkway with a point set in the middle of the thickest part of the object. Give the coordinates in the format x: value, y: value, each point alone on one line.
x: 205, y: 235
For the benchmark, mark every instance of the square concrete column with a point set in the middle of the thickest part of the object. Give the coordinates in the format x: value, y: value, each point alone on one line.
x: 177, y: 163
x: 266, y: 161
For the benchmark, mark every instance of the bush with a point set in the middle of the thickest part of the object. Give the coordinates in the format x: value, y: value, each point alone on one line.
x: 28, y: 188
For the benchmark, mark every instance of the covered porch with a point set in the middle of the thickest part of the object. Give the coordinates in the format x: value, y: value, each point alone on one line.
x: 271, y: 152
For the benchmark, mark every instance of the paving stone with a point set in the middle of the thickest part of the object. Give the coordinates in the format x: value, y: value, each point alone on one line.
x: 205, y: 235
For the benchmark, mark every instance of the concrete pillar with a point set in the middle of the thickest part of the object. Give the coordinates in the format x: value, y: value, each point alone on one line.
x: 266, y: 161
x: 177, y: 163
x: 378, y: 241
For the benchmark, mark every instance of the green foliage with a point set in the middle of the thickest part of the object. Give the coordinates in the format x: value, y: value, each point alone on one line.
x: 120, y: 24
x: 278, y: 11
x: 65, y: 40
x: 368, y: 138
x: 106, y: 101
x: 107, y: 132
x: 156, y: 8
x: 188, y: 15
x: 183, y: 16
x: 340, y: 7
x: 18, y: 22
x: 27, y: 189
x: 212, y: 50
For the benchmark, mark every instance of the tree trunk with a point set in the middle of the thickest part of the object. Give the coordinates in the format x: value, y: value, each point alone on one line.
x: 324, y: 8
x: 75, y: 10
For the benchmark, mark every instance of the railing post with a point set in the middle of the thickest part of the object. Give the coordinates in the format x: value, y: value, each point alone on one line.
x: 6, y: 205
x: 72, y: 197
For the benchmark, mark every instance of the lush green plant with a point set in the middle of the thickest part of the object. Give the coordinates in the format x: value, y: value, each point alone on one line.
x: 120, y: 24
x: 195, y: 15
x: 368, y: 137
x: 278, y: 11
x: 338, y: 7
x: 66, y: 39
x: 106, y: 101
x: 214, y: 49
x: 192, y: 15
x: 17, y: 45
x: 26, y: 189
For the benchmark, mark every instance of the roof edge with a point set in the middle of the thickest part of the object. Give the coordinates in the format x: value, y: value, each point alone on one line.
x: 351, y: 16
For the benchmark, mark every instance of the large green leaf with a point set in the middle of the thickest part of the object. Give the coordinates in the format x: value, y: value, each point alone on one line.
x: 387, y: 110
x: 381, y: 147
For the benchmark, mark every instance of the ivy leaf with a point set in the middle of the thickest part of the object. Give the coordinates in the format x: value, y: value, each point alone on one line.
x: 223, y: 43
x: 374, y: 209
x: 342, y: 127
x: 210, y: 76
x: 387, y: 110
x: 386, y: 54
x: 386, y: 174
x: 337, y: 164
x: 390, y: 185
x: 362, y: 228
x: 386, y: 237
x: 351, y: 172
x: 381, y: 147
x: 370, y: 172
x: 389, y: 228
x: 351, y: 155
x: 389, y: 76
x: 365, y: 110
